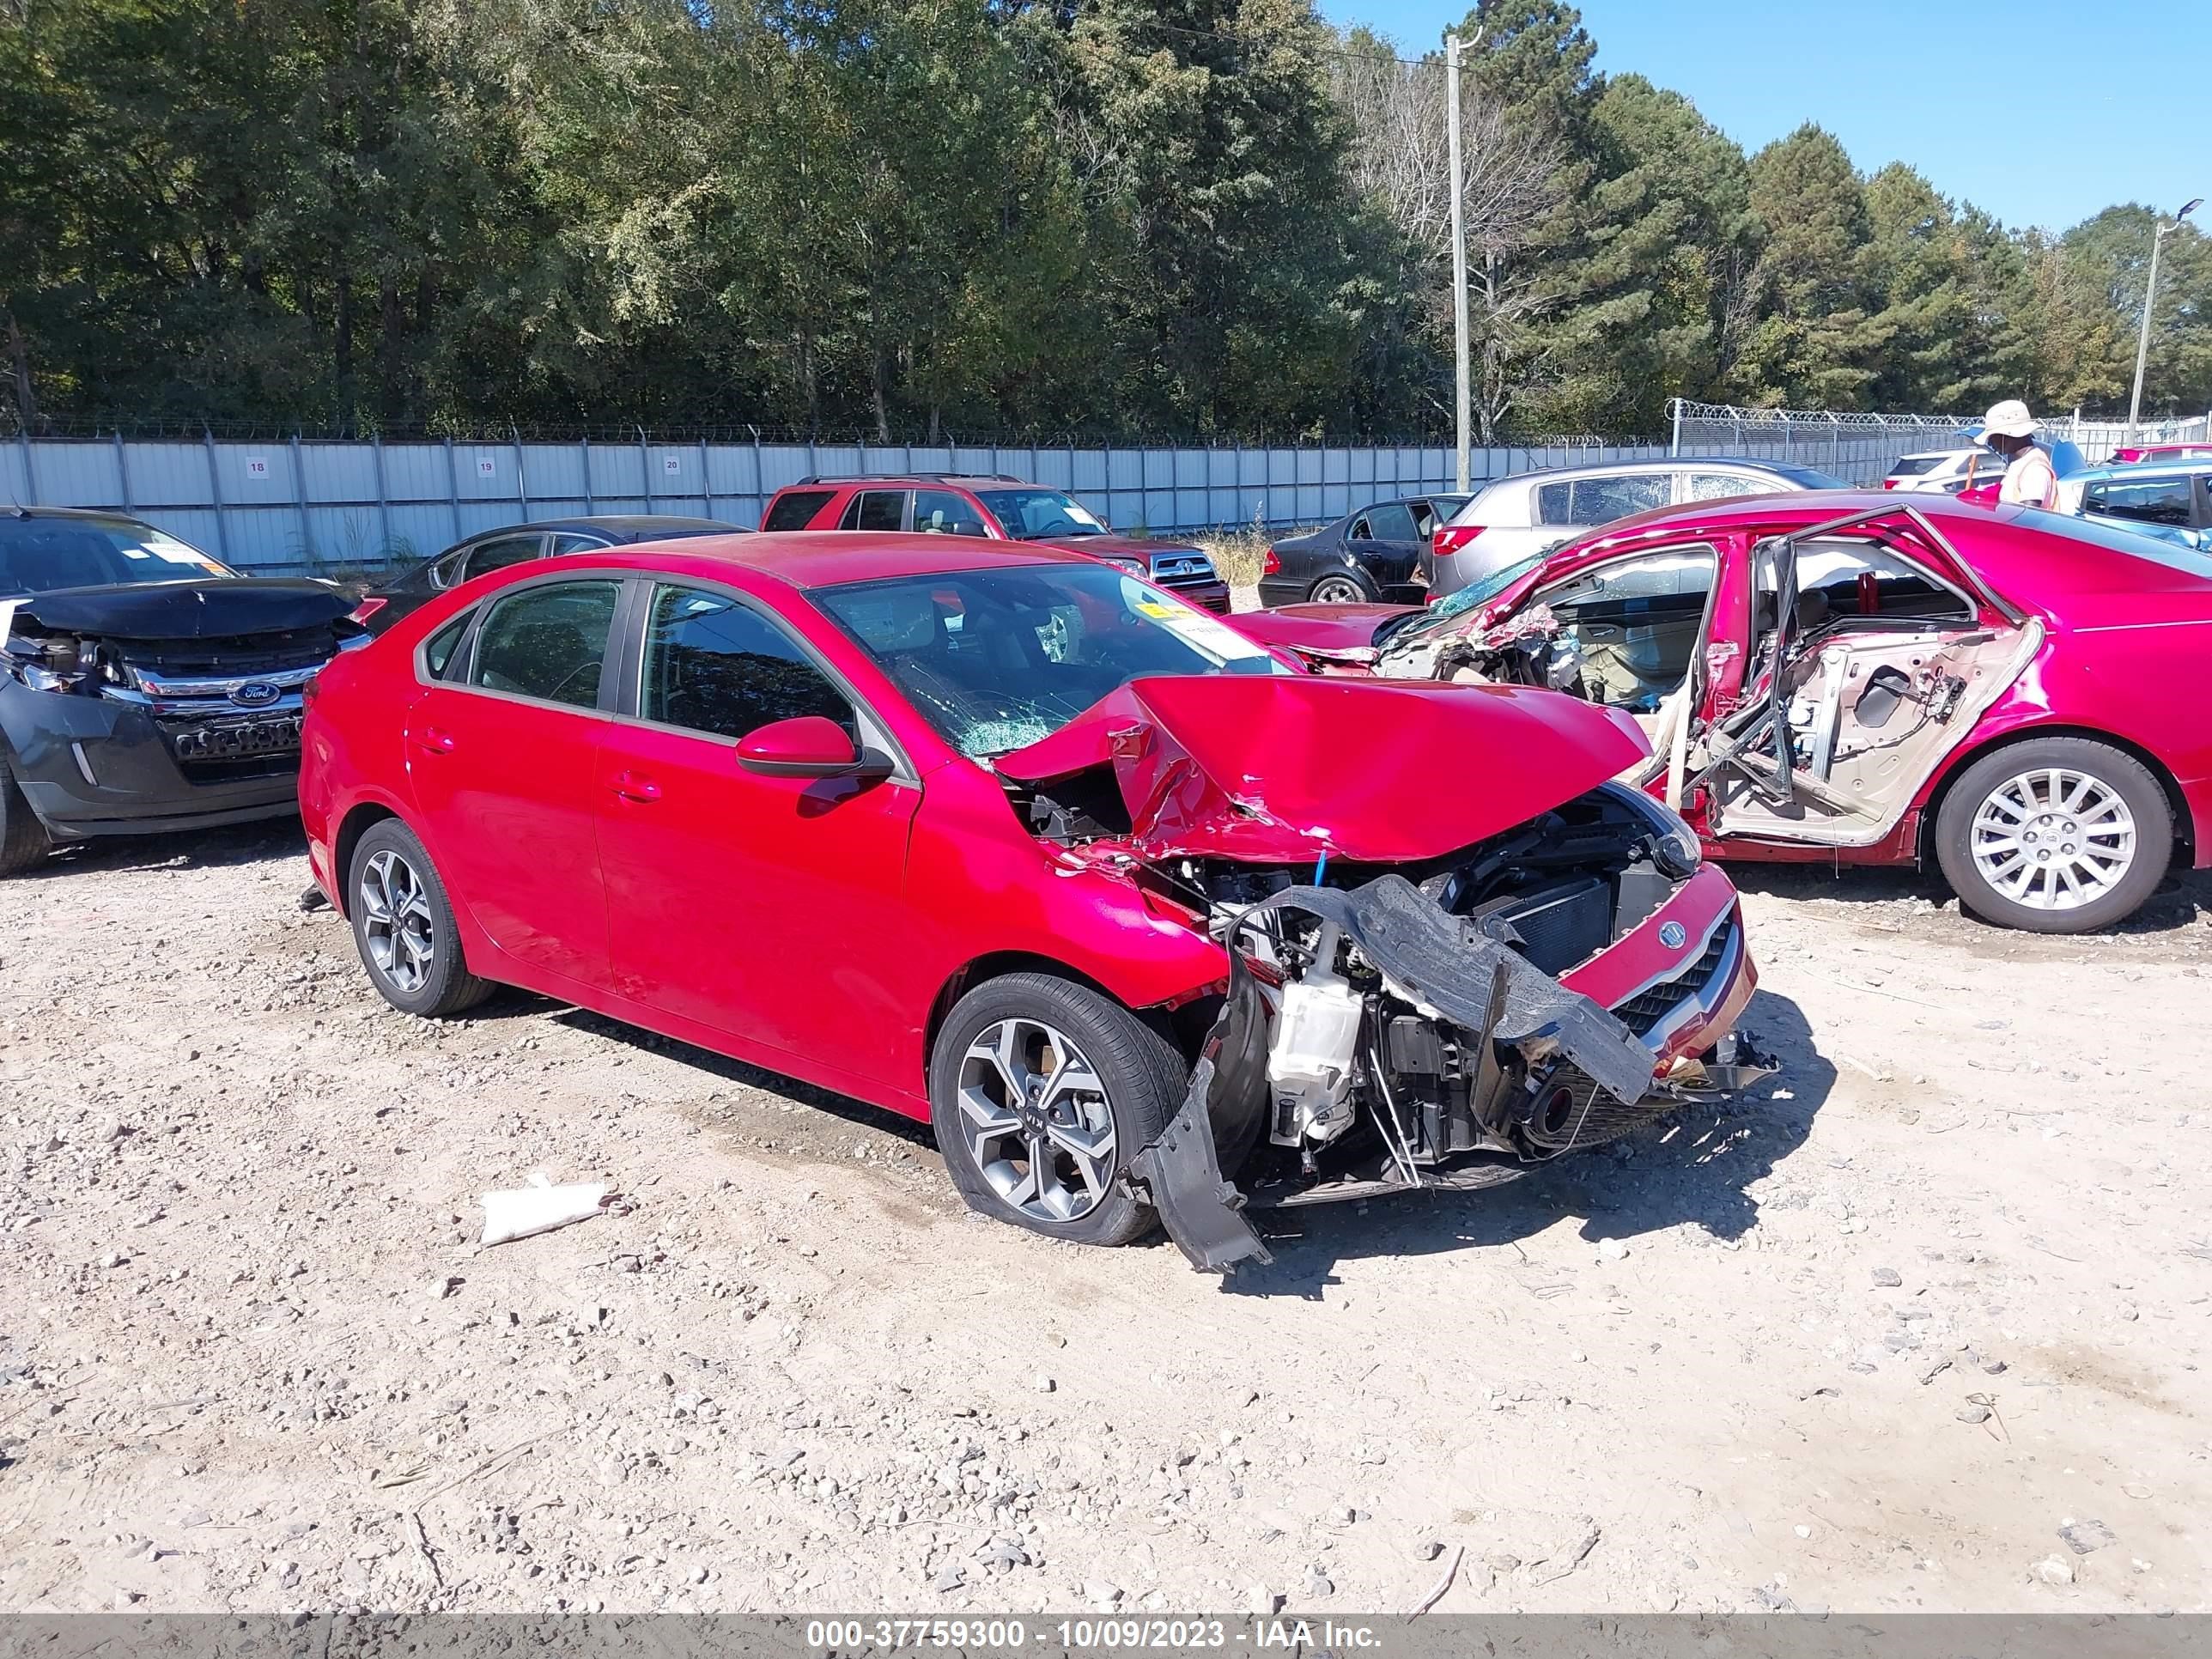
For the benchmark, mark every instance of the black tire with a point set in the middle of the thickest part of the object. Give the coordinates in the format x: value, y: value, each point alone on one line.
x: 1144, y: 1078
x: 24, y: 842
x: 1362, y: 591
x: 2117, y: 772
x: 445, y: 986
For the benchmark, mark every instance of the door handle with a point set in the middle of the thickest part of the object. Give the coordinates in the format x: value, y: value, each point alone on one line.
x: 630, y: 786
x: 435, y: 740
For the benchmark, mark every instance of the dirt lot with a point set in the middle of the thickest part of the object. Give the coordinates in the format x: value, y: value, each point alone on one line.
x: 1870, y: 1341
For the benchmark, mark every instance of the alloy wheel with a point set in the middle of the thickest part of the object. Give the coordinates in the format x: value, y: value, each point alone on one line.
x: 1036, y: 1119
x: 2053, y: 839
x: 397, y: 922
x: 1337, y: 590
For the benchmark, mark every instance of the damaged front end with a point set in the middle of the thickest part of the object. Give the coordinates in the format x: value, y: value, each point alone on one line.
x: 1399, y: 1018
x: 163, y: 706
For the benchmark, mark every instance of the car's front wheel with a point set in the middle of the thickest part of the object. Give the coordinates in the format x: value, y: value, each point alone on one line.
x: 2055, y: 835
x: 403, y: 925
x: 24, y: 842
x: 1339, y: 589
x: 1041, y: 1092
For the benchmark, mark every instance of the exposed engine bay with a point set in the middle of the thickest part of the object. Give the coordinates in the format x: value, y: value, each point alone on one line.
x: 1400, y: 1026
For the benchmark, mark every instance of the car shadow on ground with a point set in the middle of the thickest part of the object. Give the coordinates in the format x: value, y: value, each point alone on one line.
x: 198, y: 849
x: 2182, y: 900
x: 858, y: 1113
x: 1694, y: 1167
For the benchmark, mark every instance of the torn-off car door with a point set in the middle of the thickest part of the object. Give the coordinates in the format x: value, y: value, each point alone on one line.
x: 1868, y: 659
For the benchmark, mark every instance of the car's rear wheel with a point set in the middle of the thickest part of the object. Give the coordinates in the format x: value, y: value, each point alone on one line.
x: 1041, y: 1092
x: 2055, y: 835
x: 403, y: 925
x: 24, y: 842
x: 1339, y: 589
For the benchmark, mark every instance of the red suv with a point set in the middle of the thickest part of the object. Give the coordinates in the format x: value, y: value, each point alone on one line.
x: 1000, y: 508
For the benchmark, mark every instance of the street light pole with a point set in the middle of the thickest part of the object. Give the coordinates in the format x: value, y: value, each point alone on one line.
x: 1462, y: 399
x: 2150, y: 299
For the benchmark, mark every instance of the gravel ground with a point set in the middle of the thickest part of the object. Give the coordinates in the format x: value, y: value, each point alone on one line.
x: 1920, y: 1325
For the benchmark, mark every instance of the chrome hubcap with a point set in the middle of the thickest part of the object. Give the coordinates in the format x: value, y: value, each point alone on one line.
x: 395, y: 922
x: 2053, y: 839
x: 1036, y: 1119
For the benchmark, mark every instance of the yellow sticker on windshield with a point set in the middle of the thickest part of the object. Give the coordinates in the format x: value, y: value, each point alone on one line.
x: 1154, y: 608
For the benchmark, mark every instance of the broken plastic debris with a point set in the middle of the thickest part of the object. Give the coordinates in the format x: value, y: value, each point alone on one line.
x: 539, y: 1208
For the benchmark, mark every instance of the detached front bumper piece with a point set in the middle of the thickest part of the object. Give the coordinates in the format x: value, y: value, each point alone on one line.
x: 1524, y: 1069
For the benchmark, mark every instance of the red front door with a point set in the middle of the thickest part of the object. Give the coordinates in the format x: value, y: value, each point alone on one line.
x: 765, y: 908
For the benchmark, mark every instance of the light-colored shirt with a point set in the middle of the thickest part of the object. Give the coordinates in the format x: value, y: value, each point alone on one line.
x: 2031, y: 480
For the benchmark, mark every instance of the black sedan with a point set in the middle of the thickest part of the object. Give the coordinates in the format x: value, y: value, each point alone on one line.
x: 1363, y: 556
x: 516, y: 544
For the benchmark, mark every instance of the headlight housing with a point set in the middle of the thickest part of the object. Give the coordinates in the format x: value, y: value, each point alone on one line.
x: 1674, y: 847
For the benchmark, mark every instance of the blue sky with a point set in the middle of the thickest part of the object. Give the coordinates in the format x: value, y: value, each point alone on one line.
x: 2109, y: 98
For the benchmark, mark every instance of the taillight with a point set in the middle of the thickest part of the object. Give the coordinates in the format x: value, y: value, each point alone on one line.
x: 1453, y: 537
x: 367, y: 608
x: 1270, y: 566
x: 1889, y: 483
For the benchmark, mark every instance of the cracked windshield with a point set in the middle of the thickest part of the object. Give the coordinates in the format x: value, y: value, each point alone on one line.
x: 998, y: 659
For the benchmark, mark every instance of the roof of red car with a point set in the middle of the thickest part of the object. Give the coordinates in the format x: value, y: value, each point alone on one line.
x: 828, y: 558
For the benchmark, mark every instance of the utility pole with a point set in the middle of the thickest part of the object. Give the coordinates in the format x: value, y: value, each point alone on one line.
x: 1458, y: 256
x: 2150, y: 299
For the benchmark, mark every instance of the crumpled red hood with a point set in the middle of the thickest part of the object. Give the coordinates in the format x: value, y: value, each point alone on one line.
x: 1276, y: 768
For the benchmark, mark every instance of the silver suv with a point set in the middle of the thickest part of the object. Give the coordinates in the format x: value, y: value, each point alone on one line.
x: 1525, y: 514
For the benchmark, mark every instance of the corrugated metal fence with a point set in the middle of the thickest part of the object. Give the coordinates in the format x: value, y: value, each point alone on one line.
x: 306, y: 505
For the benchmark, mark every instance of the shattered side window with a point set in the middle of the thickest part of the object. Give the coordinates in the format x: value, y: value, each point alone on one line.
x: 998, y: 659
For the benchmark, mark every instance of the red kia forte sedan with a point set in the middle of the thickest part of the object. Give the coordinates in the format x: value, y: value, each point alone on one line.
x: 1859, y: 678
x: 1014, y: 841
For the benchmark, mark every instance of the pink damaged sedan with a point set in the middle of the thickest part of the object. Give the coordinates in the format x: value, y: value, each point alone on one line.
x: 2014, y: 695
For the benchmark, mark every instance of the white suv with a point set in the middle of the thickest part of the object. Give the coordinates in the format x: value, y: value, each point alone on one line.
x: 1944, y: 471
x: 1526, y: 514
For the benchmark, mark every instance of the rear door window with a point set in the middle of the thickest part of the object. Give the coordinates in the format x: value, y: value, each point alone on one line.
x: 548, y: 642
x: 2148, y: 501
x: 498, y: 554
x: 795, y: 508
x: 1392, y: 522
x: 569, y: 541
x: 876, y: 509
x: 1720, y: 486
x: 1601, y: 500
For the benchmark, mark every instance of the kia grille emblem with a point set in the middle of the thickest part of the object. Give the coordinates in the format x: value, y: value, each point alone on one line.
x: 1672, y: 936
x: 255, y: 694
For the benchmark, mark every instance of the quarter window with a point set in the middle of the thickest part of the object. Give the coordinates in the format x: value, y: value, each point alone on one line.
x: 795, y: 508
x: 571, y: 543
x: 876, y: 509
x: 548, y: 642
x: 714, y: 665
x: 438, y: 651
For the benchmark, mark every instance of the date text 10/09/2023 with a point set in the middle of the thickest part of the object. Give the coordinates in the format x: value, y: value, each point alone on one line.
x: 981, y: 1637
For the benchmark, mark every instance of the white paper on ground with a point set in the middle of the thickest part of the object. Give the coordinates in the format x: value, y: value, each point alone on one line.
x: 538, y: 1210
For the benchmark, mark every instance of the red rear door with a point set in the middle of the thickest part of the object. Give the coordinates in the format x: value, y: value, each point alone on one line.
x: 502, y: 762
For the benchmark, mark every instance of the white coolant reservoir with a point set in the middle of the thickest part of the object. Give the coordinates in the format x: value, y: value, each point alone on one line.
x: 1309, y: 1058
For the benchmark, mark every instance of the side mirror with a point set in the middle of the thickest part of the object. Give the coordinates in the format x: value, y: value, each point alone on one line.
x: 808, y: 746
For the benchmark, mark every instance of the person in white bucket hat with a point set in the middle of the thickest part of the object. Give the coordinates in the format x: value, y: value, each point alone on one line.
x: 2030, y: 479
